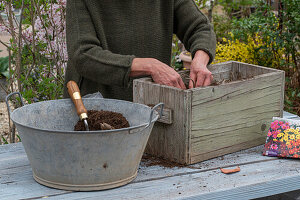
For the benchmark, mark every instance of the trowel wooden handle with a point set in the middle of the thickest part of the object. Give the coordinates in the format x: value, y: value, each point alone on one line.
x: 74, y: 93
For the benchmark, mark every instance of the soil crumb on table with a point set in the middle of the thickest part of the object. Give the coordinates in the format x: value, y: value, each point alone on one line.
x: 95, y: 118
x: 149, y: 160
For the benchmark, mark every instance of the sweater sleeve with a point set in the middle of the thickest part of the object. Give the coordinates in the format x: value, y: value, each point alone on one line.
x: 193, y: 28
x: 86, y: 52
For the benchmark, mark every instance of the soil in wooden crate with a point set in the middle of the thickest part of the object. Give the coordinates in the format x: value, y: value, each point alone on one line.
x: 236, y: 77
x: 116, y: 120
x: 233, y: 77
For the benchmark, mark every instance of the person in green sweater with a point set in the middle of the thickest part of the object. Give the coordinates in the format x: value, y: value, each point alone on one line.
x: 112, y: 42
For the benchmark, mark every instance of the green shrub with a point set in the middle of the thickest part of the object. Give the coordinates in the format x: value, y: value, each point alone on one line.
x: 38, y: 51
x: 4, y: 62
x: 280, y: 36
x: 222, y: 26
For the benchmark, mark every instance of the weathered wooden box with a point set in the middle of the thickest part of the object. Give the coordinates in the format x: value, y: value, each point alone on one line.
x: 202, y: 123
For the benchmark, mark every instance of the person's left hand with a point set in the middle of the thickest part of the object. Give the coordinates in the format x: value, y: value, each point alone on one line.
x: 199, y: 74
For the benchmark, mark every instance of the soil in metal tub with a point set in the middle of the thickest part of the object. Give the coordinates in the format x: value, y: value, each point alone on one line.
x: 116, y: 120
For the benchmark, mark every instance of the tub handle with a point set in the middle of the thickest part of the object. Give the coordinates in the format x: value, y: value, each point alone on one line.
x: 8, y: 97
x: 161, y: 105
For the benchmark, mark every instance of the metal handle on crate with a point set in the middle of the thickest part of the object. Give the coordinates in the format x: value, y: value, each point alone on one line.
x: 8, y: 97
x: 153, y: 109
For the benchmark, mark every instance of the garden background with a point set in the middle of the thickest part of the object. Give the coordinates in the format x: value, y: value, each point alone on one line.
x: 33, y: 57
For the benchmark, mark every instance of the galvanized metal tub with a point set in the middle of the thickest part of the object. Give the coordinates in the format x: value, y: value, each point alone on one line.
x: 83, y: 161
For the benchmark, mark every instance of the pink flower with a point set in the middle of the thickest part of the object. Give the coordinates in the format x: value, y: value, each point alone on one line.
x: 269, y: 134
x: 274, y: 125
x: 285, y: 126
x: 274, y: 146
x: 275, y: 133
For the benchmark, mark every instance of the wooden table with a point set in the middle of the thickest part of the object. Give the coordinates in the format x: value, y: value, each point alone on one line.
x: 260, y: 176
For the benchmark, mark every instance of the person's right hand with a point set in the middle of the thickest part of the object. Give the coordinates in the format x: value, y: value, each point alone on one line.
x: 160, y: 72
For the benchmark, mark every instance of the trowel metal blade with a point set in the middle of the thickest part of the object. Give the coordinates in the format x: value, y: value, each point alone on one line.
x: 86, y: 125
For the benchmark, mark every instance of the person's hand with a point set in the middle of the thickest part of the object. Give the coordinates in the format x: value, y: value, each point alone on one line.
x: 199, y: 74
x: 160, y: 72
x: 165, y: 75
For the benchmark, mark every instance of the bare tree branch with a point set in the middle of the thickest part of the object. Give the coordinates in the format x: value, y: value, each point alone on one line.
x: 19, y: 59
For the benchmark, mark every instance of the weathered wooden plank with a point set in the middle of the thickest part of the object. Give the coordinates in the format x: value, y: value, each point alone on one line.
x: 220, y: 67
x: 231, y: 122
x: 227, y: 149
x: 17, y: 165
x: 201, y: 95
x: 201, y: 184
x: 187, y: 125
x: 251, y: 67
x: 234, y: 115
x: 282, y: 93
x: 221, y: 72
x: 18, y: 183
x: 21, y: 178
x: 255, y: 191
x: 234, y: 101
x: 213, y: 144
x: 11, y: 148
x: 164, y: 137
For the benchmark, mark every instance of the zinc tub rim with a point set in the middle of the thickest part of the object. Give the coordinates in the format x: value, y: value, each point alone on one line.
x: 85, y: 132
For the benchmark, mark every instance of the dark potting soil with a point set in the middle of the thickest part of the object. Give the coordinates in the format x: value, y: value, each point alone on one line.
x: 116, y: 120
x: 149, y: 160
x: 185, y: 75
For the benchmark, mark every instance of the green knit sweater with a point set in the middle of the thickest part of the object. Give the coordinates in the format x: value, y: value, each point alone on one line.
x: 104, y: 36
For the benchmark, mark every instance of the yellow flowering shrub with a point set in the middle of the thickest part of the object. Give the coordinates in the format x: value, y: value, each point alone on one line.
x: 251, y: 52
x: 234, y: 50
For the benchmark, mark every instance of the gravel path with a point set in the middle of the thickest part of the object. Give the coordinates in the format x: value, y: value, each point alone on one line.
x: 4, y: 126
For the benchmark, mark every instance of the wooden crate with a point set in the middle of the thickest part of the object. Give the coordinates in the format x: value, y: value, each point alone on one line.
x: 203, y: 123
